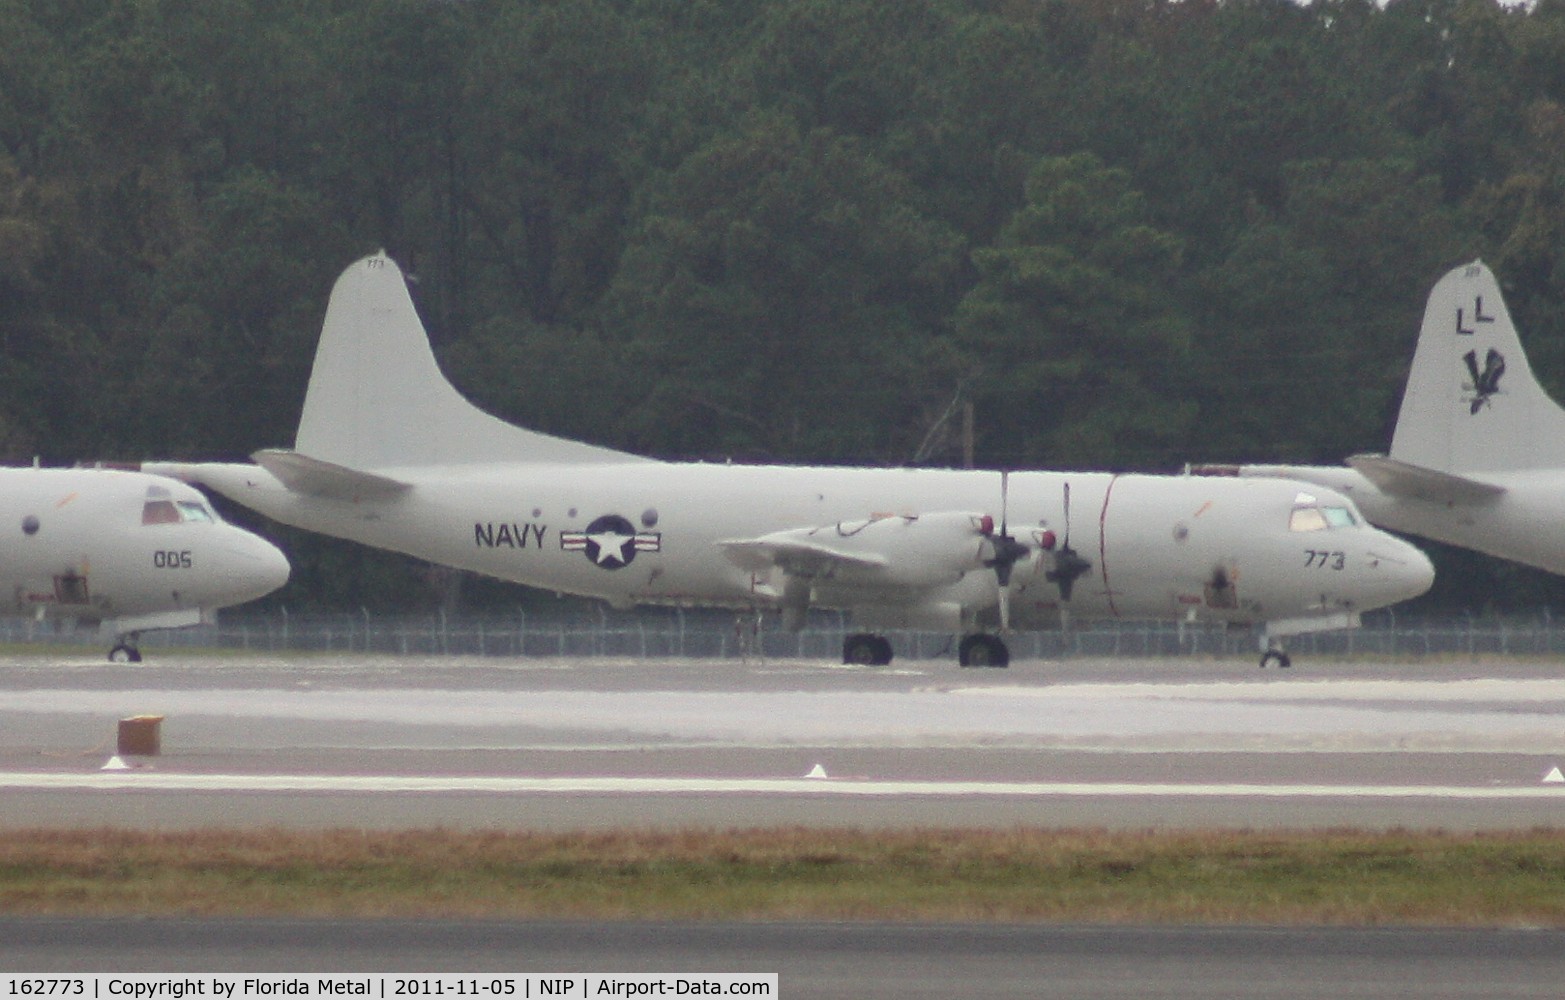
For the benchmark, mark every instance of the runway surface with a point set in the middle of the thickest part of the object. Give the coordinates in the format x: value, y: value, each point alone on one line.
x: 557, y: 744
x: 825, y: 961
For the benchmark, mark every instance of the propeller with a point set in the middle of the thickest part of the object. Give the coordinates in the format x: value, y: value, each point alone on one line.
x: 1007, y: 552
x: 1068, y: 565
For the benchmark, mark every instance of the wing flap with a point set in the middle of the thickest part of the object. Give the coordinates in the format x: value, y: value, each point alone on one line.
x: 1404, y: 479
x: 311, y: 476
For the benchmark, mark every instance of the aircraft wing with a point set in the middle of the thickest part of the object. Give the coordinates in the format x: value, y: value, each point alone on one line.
x: 303, y: 474
x: 795, y: 555
x: 903, y: 551
x: 1404, y: 479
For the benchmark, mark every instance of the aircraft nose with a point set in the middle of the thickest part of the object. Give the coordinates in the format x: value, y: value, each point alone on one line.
x: 256, y: 568
x: 1407, y: 571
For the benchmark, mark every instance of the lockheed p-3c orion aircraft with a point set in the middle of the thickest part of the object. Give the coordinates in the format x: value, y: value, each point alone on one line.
x: 388, y: 453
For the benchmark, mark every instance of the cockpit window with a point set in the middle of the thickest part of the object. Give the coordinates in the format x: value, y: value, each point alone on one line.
x: 174, y: 512
x: 190, y: 510
x: 160, y: 512
x: 1320, y: 518
x: 1340, y: 517
x: 1306, y: 519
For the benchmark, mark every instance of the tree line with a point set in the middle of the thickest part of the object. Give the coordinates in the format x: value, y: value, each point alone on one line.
x: 1129, y: 234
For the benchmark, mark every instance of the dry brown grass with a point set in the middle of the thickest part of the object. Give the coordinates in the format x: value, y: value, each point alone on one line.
x: 1020, y: 874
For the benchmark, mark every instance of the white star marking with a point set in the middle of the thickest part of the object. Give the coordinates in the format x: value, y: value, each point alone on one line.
x: 611, y: 545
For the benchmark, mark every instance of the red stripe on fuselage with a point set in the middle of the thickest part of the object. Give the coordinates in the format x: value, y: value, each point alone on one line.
x: 1103, y: 545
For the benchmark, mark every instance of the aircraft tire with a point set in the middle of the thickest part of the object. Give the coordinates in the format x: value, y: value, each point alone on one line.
x: 983, y: 650
x: 866, y: 650
x: 1277, y: 657
x: 883, y: 652
x: 123, y: 653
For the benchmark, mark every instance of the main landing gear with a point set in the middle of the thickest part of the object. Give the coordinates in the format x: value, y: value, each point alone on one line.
x: 979, y: 649
x: 125, y: 650
x: 866, y: 650
x: 1272, y: 654
x: 983, y: 650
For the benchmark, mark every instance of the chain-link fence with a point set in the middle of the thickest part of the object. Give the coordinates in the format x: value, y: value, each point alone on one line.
x: 719, y: 635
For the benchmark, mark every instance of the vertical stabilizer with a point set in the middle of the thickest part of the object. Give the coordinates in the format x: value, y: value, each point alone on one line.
x: 1472, y: 404
x: 378, y: 400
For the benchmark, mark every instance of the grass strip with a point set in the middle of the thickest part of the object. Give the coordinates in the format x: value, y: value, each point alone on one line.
x: 1342, y: 877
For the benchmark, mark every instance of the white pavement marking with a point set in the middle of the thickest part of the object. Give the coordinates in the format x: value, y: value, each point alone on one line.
x: 148, y: 780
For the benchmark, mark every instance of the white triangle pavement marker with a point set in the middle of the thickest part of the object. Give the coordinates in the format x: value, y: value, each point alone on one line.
x: 820, y: 772
x: 1554, y: 777
x: 116, y: 763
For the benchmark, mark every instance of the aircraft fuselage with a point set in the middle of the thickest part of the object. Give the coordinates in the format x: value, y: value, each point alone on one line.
x: 650, y: 533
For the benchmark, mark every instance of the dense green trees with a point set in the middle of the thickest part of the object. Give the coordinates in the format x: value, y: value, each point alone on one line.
x: 1074, y: 324
x: 1131, y: 233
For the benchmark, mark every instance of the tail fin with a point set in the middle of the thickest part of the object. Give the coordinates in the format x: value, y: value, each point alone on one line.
x: 378, y: 400
x: 1472, y: 404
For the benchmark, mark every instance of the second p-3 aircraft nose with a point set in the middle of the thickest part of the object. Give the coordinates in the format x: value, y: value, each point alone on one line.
x: 253, y: 568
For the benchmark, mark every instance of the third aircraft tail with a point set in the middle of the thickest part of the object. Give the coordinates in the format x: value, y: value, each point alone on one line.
x: 1472, y: 404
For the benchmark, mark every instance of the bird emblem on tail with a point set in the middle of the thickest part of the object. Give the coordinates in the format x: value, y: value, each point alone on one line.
x: 1485, y: 383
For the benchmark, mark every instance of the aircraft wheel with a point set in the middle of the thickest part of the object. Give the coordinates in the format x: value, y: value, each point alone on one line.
x: 983, y: 650
x: 1275, y: 656
x: 123, y: 653
x: 865, y: 650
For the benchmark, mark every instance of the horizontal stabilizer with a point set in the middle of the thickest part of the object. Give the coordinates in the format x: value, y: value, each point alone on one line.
x: 1406, y: 480
x: 311, y: 476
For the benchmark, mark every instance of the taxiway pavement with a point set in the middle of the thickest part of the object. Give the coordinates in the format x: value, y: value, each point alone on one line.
x: 386, y: 742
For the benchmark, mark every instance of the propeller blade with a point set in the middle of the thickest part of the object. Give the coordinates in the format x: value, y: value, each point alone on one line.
x: 1067, y: 564
x: 1005, y: 503
x: 1005, y: 551
x: 1067, y: 514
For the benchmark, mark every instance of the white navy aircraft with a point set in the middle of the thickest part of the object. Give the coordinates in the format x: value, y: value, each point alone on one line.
x: 388, y: 453
x: 131, y: 551
x: 1478, y: 455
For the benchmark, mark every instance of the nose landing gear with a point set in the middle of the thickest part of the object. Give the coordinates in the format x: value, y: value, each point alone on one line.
x: 1272, y: 654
